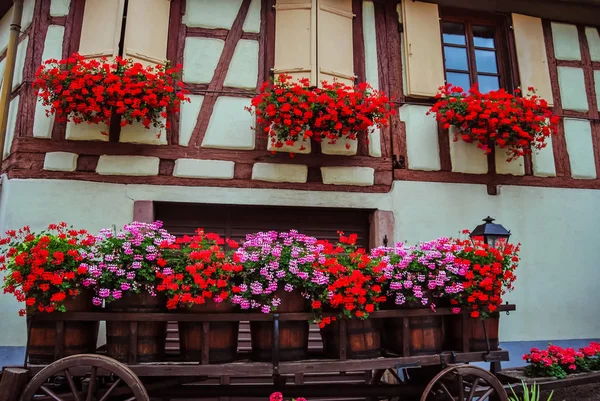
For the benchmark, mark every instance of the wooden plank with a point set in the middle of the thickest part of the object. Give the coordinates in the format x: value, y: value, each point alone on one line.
x: 205, y: 345
x: 59, y: 342
x: 13, y: 383
x: 133, y: 342
x: 406, y: 336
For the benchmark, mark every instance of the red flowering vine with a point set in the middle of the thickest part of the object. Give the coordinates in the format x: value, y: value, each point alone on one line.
x: 512, y: 122
x: 489, y: 275
x: 91, y: 91
x: 200, y: 271
x: 44, y: 269
x: 293, y: 110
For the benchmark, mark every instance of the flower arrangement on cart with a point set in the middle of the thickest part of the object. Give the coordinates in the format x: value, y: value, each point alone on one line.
x: 144, y: 268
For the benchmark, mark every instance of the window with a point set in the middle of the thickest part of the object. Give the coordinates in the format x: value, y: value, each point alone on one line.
x: 475, y: 52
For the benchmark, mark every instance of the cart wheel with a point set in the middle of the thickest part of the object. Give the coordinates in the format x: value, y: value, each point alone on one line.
x: 464, y: 383
x: 85, y: 378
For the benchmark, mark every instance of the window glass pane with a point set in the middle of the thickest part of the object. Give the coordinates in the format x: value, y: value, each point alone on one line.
x: 486, y: 61
x: 457, y: 79
x: 456, y: 58
x: 453, y: 33
x: 487, y: 83
x: 483, y: 36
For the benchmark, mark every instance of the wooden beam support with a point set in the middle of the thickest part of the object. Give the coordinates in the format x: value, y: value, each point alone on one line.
x: 12, y: 383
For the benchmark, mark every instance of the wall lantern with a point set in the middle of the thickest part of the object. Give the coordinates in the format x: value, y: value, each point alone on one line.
x: 490, y: 232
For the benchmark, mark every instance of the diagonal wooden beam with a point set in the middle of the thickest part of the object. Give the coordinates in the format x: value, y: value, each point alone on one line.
x: 216, y: 84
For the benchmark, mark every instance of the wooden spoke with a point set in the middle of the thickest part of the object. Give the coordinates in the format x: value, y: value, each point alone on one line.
x: 92, y: 385
x: 114, y: 385
x: 51, y: 393
x: 473, y: 389
x: 72, y: 385
x: 453, y: 383
x: 125, y: 382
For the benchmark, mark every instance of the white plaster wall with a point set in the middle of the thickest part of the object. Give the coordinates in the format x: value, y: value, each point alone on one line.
x: 188, y: 117
x: 230, y: 126
x: 515, y: 167
x: 28, y: 8
x: 566, y: 41
x: 58, y: 8
x: 422, y: 145
x: 137, y: 133
x: 572, y: 89
x: 252, y: 22
x: 11, y: 125
x: 578, y: 135
x: 211, y: 14
x: 87, y: 132
x: 243, y: 70
x: 593, y: 39
x: 200, y: 58
x: 20, y: 63
x: 371, y: 68
x: 556, y: 292
x: 543, y: 161
x: 466, y: 157
x: 5, y: 29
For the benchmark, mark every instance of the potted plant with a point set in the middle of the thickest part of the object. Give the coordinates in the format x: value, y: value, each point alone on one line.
x: 123, y: 271
x: 201, y: 279
x: 489, y: 275
x: 354, y: 290
x: 279, y: 275
x: 417, y: 277
x: 515, y: 123
x: 45, y: 271
x: 91, y: 91
x: 345, y: 113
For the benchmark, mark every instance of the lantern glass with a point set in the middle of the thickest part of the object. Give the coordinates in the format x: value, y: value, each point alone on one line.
x: 490, y: 232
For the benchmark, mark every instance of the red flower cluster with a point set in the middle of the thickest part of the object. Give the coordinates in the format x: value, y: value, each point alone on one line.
x: 489, y: 274
x: 559, y: 362
x: 291, y: 111
x: 43, y: 269
x: 518, y: 124
x: 355, y: 283
x: 199, y: 271
x: 80, y: 90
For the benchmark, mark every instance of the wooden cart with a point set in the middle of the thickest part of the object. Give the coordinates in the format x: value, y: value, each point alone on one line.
x: 96, y: 377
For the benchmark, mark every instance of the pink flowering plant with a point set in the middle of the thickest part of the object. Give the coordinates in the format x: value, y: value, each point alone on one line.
x: 275, y: 261
x: 277, y: 396
x: 559, y: 362
x: 127, y: 261
x: 419, y: 275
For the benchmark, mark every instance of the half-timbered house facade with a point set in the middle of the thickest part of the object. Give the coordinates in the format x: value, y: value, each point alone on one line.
x: 410, y: 181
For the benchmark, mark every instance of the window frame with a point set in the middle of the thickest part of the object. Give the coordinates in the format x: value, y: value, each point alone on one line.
x: 504, y: 54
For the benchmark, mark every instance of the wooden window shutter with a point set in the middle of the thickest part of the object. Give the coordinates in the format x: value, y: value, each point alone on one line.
x: 295, y: 39
x: 101, y: 28
x: 147, y: 31
x: 531, y: 55
x: 334, y: 42
x: 423, y: 48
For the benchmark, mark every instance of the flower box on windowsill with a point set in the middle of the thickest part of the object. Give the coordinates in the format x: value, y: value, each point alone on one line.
x: 343, y: 146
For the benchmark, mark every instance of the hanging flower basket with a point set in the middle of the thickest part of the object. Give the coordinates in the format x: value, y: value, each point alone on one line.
x: 293, y: 112
x: 92, y: 91
x: 518, y: 124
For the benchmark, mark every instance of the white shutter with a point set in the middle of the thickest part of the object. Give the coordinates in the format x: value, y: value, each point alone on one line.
x: 147, y: 31
x: 531, y: 55
x: 295, y: 39
x: 423, y: 48
x: 335, y: 42
x: 101, y: 29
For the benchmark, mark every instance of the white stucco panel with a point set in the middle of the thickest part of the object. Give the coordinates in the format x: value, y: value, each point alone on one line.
x: 302, y: 146
x: 20, y: 63
x: 87, y: 132
x: 370, y: 39
x: 374, y: 137
x: 11, y: 125
x: 275, y: 172
x: 42, y: 124
x: 28, y: 8
x: 572, y: 89
x: 128, y: 165
x: 53, y: 45
x: 243, y: 70
x: 566, y: 41
x: 593, y: 39
x: 422, y: 146
x: 200, y: 58
x: 252, y: 22
x: 597, y: 87
x: 466, y: 157
x: 59, y: 8
x: 137, y: 133
x: 342, y: 147
x: 230, y: 126
x: 5, y: 30
x: 60, y: 161
x: 2, y: 64
x: 188, y: 118
x: 359, y: 176
x: 515, y: 167
x: 210, y: 13
x: 543, y: 161
x: 578, y: 135
x: 195, y: 168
